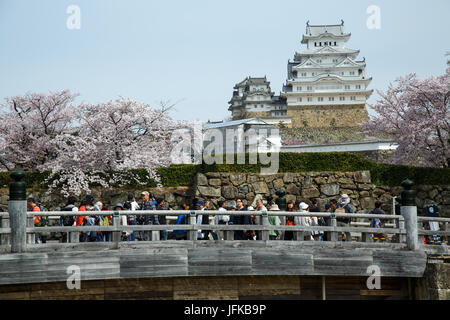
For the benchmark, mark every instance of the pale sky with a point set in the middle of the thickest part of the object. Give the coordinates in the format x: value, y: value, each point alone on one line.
x: 194, y: 52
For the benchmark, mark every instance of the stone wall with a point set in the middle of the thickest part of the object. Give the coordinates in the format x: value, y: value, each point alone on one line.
x: 322, y: 185
x: 435, y: 284
x: 327, y: 116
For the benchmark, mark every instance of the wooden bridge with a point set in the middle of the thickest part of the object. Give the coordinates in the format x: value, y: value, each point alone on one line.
x: 132, y: 269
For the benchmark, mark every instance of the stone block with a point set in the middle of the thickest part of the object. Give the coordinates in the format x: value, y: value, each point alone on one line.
x: 278, y: 183
x: 229, y: 192
x: 215, y: 182
x: 238, y: 178
x: 201, y: 180
x: 261, y: 187
x: 362, y: 176
x: 367, y: 203
x: 209, y: 191
x: 329, y: 189
x: 293, y: 189
x: 310, y: 193
x: 288, y: 177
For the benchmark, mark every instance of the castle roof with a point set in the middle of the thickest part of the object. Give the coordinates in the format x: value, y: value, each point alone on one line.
x: 320, y: 30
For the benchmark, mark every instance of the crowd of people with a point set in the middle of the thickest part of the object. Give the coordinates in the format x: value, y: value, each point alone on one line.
x: 149, y: 202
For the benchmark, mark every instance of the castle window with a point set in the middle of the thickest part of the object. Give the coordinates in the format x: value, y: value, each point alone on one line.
x: 309, y: 88
x: 347, y: 87
x: 303, y: 74
x: 342, y: 98
x: 353, y: 98
x: 309, y: 99
x: 358, y: 86
x: 330, y: 98
x: 320, y: 44
x: 320, y: 99
x: 352, y: 73
x: 335, y: 43
x: 299, y: 88
x: 299, y: 99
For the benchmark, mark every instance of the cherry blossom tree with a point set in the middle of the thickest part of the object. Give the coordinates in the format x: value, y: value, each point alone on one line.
x: 117, y: 135
x: 417, y: 114
x: 29, y: 123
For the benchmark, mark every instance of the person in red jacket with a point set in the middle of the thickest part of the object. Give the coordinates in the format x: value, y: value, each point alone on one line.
x: 32, y: 206
x: 86, y: 205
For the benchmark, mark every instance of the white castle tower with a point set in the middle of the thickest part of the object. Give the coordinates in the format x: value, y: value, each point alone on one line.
x: 326, y: 85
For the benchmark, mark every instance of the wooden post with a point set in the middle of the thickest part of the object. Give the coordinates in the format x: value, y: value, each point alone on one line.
x: 192, y: 220
x: 324, y: 294
x: 116, y: 235
x: 5, y: 237
x: 333, y: 223
x: 401, y: 226
x: 409, y: 211
x: 366, y: 237
x: 299, y: 235
x: 17, y: 209
x: 412, y: 237
x: 264, y: 222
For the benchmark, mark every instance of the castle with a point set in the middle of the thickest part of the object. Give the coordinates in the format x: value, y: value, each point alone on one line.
x: 326, y: 86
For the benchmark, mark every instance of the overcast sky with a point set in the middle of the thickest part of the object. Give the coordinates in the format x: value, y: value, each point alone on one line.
x: 193, y: 52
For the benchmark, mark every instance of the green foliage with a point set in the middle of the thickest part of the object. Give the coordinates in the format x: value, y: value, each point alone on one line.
x: 183, y: 175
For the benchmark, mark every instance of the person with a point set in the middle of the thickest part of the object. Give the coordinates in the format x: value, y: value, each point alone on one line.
x: 182, y: 219
x: 343, y: 206
x: 274, y: 221
x: 86, y: 205
x: 326, y: 236
x: 376, y: 222
x: 92, y: 220
x: 240, y: 220
x: 162, y: 219
x: 316, y: 221
x: 221, y: 219
x: 106, y: 222
x: 38, y: 220
x: 259, y: 207
x: 202, y: 219
x: 305, y: 221
x: 132, y: 219
x: 126, y: 235
x: 148, y: 204
x: 290, y: 221
x: 252, y: 234
x: 68, y: 220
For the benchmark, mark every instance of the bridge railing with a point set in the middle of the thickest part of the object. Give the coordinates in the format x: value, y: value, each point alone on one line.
x: 433, y: 230
x: 395, y: 231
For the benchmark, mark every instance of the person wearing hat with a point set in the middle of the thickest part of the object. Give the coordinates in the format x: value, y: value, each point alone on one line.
x: 274, y: 221
x: 343, y: 206
x: 305, y: 221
